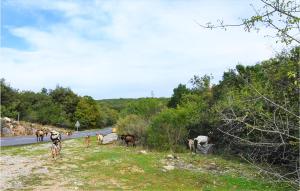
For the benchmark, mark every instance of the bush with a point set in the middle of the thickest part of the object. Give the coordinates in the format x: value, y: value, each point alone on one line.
x: 132, y: 125
x: 168, y: 129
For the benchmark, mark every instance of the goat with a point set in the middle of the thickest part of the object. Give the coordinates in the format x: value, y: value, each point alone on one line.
x: 191, y: 144
x: 128, y: 139
x: 87, y: 140
x: 39, y: 135
x: 202, y: 140
x: 99, y: 138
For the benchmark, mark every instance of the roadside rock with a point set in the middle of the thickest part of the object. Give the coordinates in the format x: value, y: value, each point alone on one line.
x: 110, y: 138
x: 6, y: 131
x: 6, y: 119
x: 11, y: 127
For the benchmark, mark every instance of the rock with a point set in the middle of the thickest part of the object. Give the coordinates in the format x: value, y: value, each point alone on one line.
x: 190, y: 166
x: 169, y: 167
x: 110, y: 138
x: 20, y: 130
x: 15, y: 122
x: 29, y: 131
x: 212, y: 166
x: 6, y: 131
x: 6, y: 119
x: 10, y: 126
x: 143, y: 152
x: 204, y: 149
x: 170, y: 156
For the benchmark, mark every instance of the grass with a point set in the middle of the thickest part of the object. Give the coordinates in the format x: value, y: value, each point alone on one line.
x: 112, y: 167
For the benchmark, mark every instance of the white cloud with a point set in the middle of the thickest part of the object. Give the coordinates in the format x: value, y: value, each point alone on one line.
x: 128, y: 48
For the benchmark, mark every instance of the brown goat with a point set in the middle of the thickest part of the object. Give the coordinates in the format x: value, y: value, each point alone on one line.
x: 87, y: 141
x: 128, y: 139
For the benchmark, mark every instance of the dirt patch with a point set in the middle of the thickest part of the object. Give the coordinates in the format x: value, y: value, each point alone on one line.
x: 131, y: 169
x: 12, y: 167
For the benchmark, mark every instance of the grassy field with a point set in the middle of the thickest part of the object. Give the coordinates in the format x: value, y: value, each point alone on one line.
x: 113, y: 167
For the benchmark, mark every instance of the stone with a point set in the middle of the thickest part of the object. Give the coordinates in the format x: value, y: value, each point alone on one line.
x: 6, y: 119
x: 204, y: 149
x: 190, y: 166
x: 143, y: 152
x: 10, y: 126
x: 15, y: 122
x: 169, y: 167
x: 112, y: 137
x: 170, y: 156
x: 6, y: 131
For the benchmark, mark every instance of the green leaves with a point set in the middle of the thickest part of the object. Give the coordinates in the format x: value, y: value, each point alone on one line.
x: 88, y: 113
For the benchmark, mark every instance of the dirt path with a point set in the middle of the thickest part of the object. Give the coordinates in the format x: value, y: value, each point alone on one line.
x: 13, y: 167
x: 38, y: 171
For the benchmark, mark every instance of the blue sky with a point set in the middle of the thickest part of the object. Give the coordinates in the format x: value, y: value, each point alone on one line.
x: 112, y: 49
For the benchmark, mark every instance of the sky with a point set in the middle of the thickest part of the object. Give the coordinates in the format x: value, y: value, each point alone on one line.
x: 123, y: 49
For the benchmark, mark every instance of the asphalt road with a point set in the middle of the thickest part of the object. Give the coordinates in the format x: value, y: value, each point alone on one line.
x: 22, y: 140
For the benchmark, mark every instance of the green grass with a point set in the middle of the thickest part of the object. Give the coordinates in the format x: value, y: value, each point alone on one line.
x: 113, y: 167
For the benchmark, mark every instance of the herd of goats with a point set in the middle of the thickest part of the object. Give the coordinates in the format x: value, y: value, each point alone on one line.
x: 193, y: 144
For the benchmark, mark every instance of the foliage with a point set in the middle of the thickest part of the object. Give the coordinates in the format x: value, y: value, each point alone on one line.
x: 66, y: 98
x: 54, y: 107
x: 133, y: 125
x: 145, y: 107
x: 122, y: 103
x: 258, y: 107
x: 177, y: 95
x: 9, y: 100
x: 168, y: 129
x: 281, y: 16
x: 88, y: 113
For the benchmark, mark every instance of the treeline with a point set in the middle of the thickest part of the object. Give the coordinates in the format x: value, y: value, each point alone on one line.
x: 252, y: 112
x: 122, y: 103
x: 60, y: 107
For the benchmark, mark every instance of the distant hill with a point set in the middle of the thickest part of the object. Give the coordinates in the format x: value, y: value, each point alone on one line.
x: 121, y: 103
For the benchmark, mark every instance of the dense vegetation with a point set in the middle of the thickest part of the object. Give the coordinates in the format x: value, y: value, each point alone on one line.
x: 60, y: 107
x: 252, y: 112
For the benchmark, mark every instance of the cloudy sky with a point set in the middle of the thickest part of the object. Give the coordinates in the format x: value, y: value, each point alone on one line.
x: 128, y: 48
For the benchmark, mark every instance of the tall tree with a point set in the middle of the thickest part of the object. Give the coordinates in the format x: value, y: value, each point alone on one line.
x: 177, y: 95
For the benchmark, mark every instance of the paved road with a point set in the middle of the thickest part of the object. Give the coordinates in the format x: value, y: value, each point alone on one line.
x: 22, y: 140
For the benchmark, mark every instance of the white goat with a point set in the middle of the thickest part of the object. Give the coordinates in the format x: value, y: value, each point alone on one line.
x: 191, y: 144
x: 201, y: 139
x: 99, y: 138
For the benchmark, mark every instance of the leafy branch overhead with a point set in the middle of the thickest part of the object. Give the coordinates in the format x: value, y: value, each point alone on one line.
x: 281, y: 16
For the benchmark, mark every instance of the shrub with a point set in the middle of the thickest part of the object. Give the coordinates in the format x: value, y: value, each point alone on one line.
x: 133, y: 125
x: 168, y: 129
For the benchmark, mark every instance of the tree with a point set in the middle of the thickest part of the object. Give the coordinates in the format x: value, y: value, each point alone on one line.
x: 66, y: 98
x: 144, y: 107
x: 260, y: 115
x: 39, y: 107
x: 177, y: 95
x: 167, y: 130
x: 133, y: 125
x: 88, y: 113
x: 282, y: 16
x: 9, y: 100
